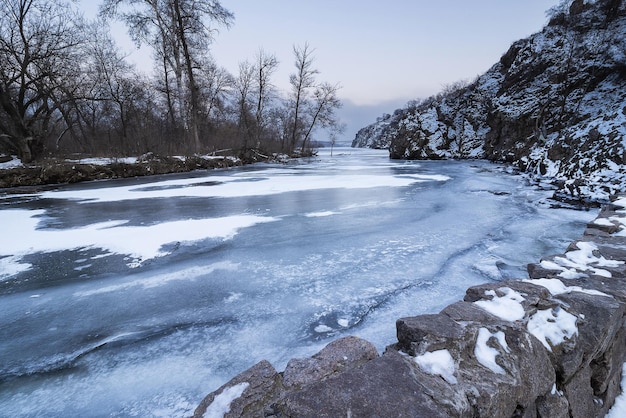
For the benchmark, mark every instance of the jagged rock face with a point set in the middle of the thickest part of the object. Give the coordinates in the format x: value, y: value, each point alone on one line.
x: 375, y: 135
x: 555, y: 105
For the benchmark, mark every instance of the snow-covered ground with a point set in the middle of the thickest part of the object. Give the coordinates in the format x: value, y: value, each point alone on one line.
x: 137, y: 297
x: 104, y: 161
x: 12, y: 163
x: 16, y: 162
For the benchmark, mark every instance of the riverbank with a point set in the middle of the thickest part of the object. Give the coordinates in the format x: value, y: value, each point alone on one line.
x: 63, y: 171
x: 54, y: 171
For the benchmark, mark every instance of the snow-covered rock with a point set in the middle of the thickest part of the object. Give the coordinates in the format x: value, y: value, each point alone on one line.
x: 554, y: 106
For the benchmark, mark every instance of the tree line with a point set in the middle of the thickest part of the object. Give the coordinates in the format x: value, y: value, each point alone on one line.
x: 66, y: 88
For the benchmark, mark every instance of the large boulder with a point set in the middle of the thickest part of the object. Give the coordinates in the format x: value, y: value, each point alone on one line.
x: 386, y: 386
x: 340, y: 355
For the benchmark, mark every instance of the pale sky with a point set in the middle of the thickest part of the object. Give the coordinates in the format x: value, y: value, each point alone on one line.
x: 382, y: 50
x: 382, y: 53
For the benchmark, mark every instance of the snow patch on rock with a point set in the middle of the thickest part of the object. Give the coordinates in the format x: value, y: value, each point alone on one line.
x: 552, y: 326
x: 507, y: 307
x: 486, y: 355
x: 221, y: 404
x: 438, y: 362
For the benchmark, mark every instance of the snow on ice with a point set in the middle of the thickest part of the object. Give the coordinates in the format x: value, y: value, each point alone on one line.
x: 162, y: 279
x: 320, y: 214
x: 142, y: 243
x: 238, y: 186
x: 139, y: 242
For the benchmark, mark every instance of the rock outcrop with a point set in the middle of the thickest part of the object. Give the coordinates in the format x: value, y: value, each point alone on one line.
x: 554, y: 105
x: 551, y: 345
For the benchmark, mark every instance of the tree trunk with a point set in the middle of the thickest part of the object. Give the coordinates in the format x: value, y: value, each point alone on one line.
x: 168, y: 92
x: 294, y: 132
x: 21, y: 146
x: 193, y: 89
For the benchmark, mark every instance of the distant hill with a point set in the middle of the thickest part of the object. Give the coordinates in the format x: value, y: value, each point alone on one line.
x: 554, y: 105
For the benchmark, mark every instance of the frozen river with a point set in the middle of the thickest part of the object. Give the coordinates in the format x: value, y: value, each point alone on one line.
x: 139, y: 297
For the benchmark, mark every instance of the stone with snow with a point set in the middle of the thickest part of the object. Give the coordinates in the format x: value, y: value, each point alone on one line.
x: 596, y: 330
x: 466, y: 311
x: 434, y: 331
x: 439, y: 363
x: 499, y: 297
x: 261, y: 384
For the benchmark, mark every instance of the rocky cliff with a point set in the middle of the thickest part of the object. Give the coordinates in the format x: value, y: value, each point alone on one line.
x: 554, y: 105
x: 549, y: 346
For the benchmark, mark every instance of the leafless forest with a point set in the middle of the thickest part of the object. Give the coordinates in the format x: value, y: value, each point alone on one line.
x: 66, y: 89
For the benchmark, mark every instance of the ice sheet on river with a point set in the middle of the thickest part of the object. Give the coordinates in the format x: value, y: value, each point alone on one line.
x: 145, y: 242
x: 251, y: 184
x: 262, y: 262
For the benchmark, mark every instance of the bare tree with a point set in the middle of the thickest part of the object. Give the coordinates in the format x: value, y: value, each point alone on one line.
x: 334, y: 131
x: 39, y: 51
x: 113, y: 84
x: 180, y: 31
x: 301, y: 82
x: 312, y: 105
x: 322, y: 111
x: 266, y: 65
x: 215, y: 85
x: 243, y: 87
